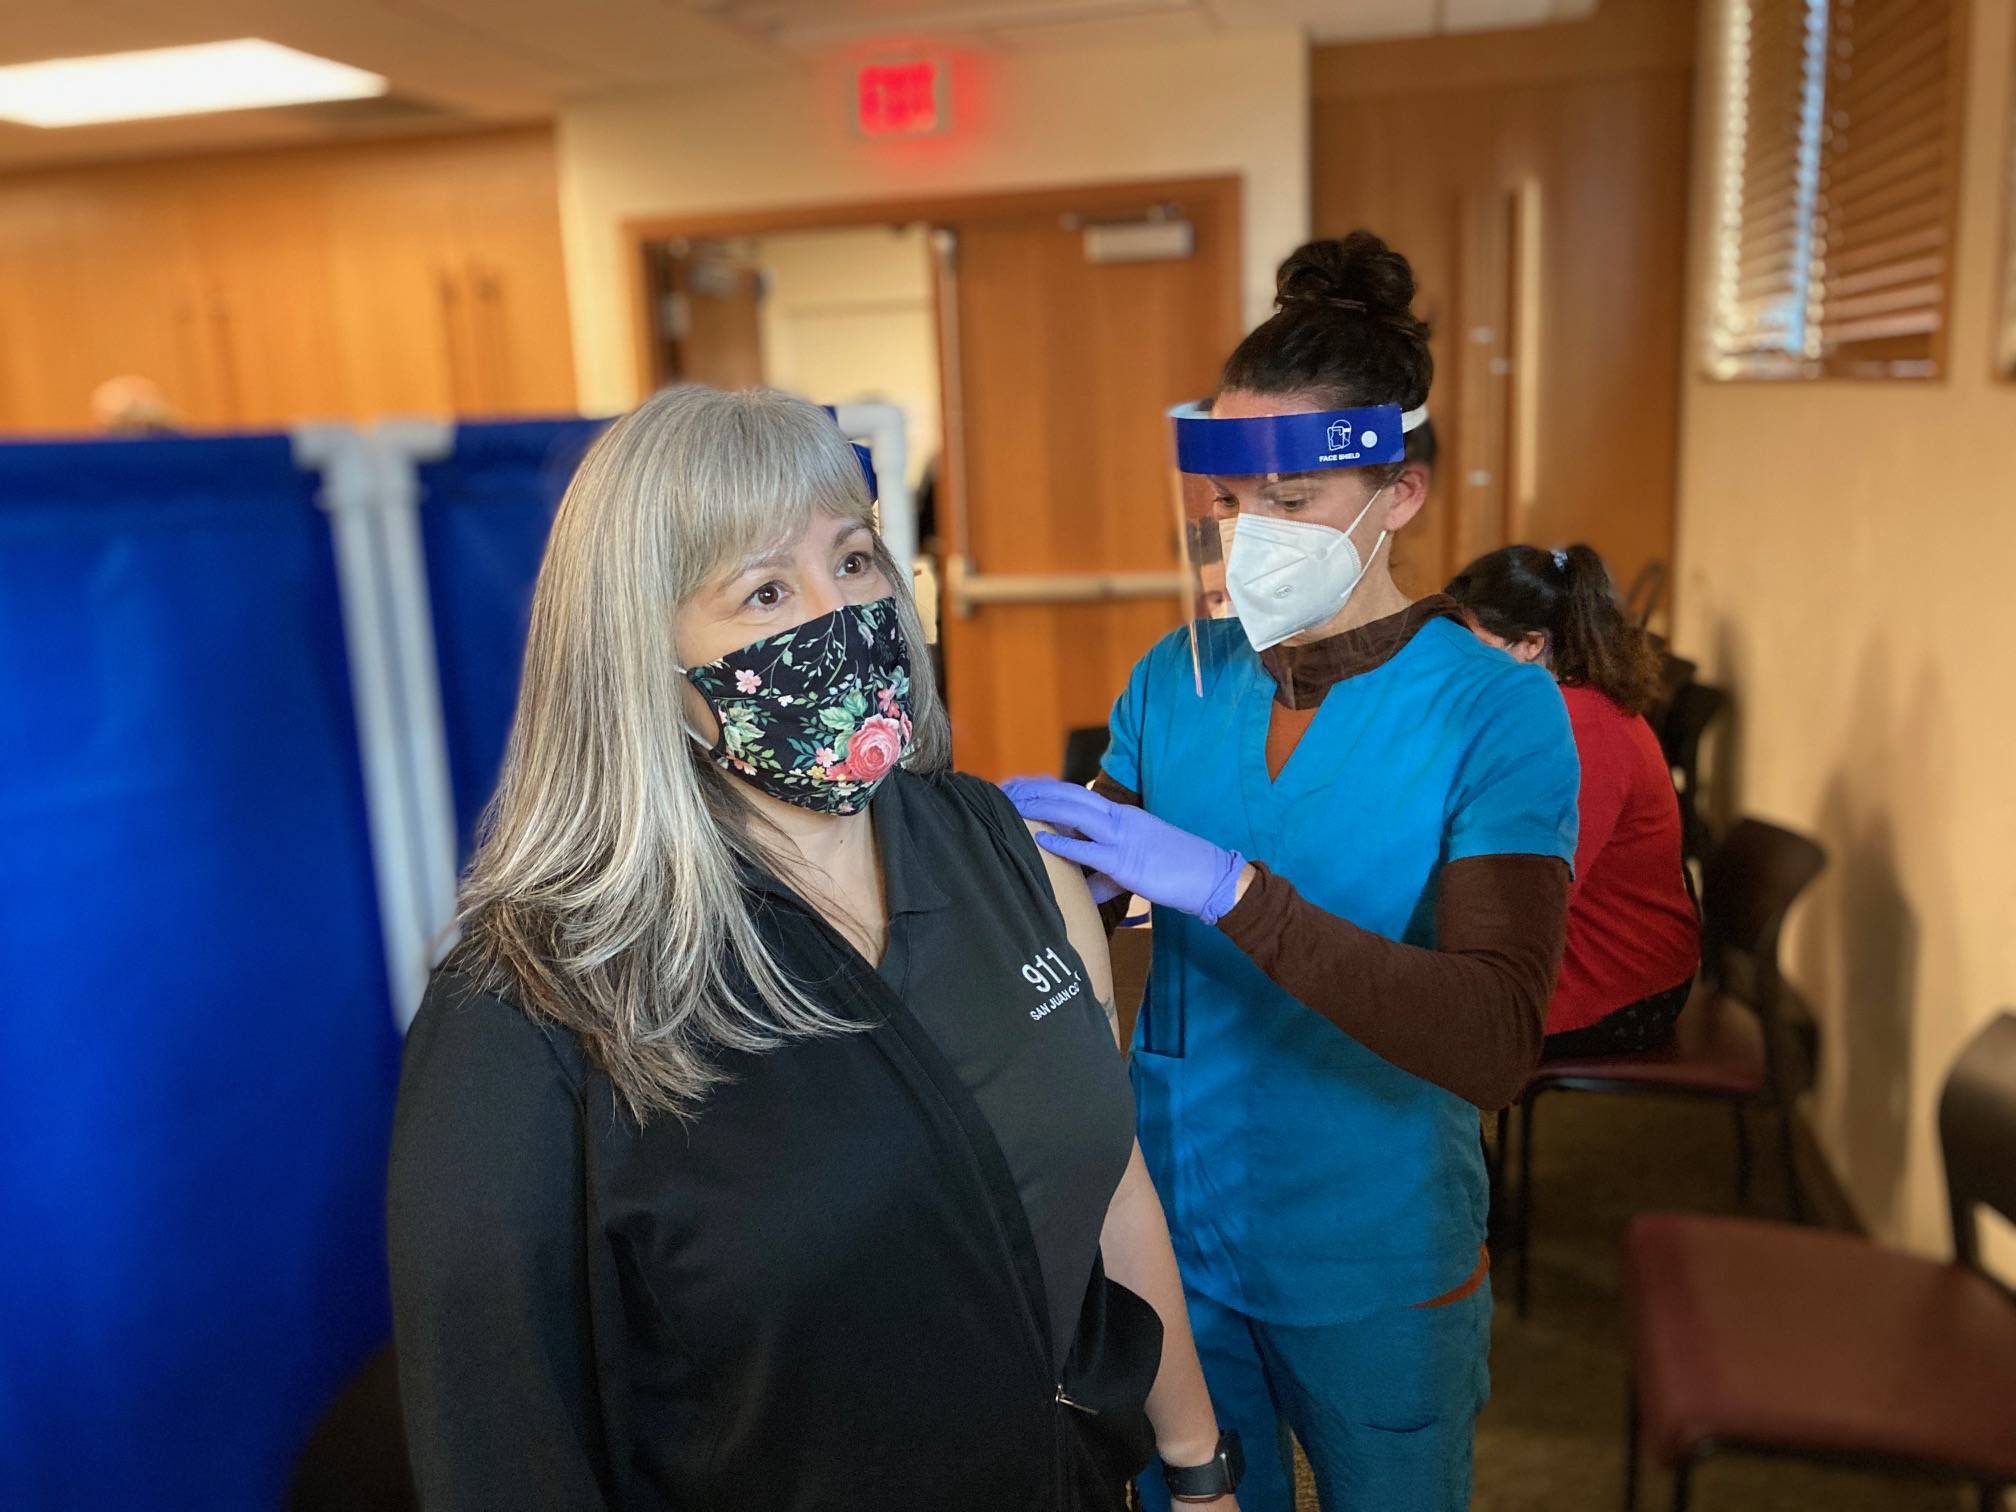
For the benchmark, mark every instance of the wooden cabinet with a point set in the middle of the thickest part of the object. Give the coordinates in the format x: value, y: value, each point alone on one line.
x: 405, y: 278
x: 262, y: 249
x: 394, y: 289
x: 44, y: 379
x: 507, y: 226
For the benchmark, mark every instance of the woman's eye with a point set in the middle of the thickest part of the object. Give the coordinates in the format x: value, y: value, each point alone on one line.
x: 769, y: 596
x: 1289, y: 506
x: 855, y: 564
x: 1226, y: 504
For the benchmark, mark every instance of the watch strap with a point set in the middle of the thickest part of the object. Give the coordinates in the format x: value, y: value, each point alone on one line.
x: 1218, y: 1476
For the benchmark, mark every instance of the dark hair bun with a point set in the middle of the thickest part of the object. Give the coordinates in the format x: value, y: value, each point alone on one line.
x: 1360, y: 272
x: 1344, y: 330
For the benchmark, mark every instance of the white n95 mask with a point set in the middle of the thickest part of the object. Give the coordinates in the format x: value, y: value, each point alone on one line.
x: 1286, y: 576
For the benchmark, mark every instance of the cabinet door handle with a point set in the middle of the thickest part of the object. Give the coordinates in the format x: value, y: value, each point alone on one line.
x: 227, y: 365
x: 495, y: 342
x: 451, y: 346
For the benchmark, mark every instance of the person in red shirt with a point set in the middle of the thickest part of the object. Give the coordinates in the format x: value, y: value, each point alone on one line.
x: 1634, y: 933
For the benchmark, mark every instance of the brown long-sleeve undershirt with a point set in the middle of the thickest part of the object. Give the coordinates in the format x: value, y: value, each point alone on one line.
x: 1467, y: 1014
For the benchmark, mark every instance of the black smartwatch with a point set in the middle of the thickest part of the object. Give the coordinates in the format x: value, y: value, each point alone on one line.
x: 1218, y: 1476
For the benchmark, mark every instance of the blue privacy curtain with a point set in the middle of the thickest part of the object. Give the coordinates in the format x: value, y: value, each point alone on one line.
x: 201, y: 1054
x: 484, y: 514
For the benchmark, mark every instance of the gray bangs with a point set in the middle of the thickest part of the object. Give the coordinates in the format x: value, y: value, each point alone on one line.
x: 753, y: 468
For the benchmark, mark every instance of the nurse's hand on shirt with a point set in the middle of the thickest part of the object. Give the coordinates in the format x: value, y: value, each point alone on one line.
x: 1129, y: 850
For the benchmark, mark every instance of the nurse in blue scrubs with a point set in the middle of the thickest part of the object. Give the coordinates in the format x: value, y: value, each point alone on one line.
x: 1355, y: 822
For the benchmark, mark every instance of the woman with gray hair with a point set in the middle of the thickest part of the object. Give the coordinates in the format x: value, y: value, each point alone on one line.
x: 761, y: 1143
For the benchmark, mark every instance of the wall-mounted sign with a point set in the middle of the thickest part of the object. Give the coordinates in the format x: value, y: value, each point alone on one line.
x: 902, y: 99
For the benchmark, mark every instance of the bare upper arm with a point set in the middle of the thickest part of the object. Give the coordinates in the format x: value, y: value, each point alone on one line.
x: 1083, y: 925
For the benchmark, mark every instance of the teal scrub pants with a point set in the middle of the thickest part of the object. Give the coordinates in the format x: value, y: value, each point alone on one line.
x: 1385, y: 1407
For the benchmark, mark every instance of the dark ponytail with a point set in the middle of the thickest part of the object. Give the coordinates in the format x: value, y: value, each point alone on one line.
x: 1344, y: 330
x: 1568, y: 595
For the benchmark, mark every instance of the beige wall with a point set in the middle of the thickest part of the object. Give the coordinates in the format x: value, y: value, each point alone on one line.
x: 1234, y: 104
x: 1845, y: 553
x: 847, y: 318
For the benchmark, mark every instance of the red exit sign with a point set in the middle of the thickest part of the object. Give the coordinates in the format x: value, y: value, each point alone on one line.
x: 901, y: 99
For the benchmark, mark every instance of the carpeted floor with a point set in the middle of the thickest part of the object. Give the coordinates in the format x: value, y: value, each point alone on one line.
x: 1552, y: 1438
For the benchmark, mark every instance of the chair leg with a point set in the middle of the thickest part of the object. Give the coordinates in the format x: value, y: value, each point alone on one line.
x: 1742, y: 1154
x: 1795, y: 1199
x: 1630, y: 1446
x: 1525, y: 1240
x: 1682, y: 1483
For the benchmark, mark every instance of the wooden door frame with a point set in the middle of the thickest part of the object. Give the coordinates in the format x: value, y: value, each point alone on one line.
x: 1226, y: 195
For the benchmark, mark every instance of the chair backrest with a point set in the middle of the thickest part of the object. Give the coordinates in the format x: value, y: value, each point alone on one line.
x: 1977, y: 1132
x: 1693, y: 711
x: 1675, y: 672
x: 1641, y: 599
x: 1082, y: 750
x: 1693, y: 707
x: 1750, y: 883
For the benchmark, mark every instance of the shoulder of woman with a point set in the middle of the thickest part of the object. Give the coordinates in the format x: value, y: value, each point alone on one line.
x: 481, y: 1034
x: 966, y: 801
x: 485, y: 1139
x: 1595, y: 715
x: 1488, y: 672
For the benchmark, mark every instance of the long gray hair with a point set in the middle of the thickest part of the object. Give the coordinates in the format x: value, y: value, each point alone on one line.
x: 607, y: 890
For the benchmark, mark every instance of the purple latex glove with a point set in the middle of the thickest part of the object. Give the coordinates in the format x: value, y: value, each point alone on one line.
x: 1131, y: 848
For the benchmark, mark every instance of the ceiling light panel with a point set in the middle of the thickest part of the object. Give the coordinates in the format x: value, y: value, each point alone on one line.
x: 203, y: 79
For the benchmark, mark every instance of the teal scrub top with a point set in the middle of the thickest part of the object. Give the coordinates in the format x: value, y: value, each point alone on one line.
x: 1307, y: 1181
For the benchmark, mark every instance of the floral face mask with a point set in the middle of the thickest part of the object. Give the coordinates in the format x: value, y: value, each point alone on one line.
x: 816, y: 715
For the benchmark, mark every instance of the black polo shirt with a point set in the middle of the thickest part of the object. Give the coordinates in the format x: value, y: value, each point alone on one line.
x: 993, y: 979
x: 847, y: 1283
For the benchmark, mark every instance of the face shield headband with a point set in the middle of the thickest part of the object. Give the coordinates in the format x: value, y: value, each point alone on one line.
x: 1270, y: 444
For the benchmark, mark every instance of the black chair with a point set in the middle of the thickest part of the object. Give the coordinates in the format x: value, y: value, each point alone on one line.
x: 1763, y: 1338
x: 1737, y: 1041
x: 355, y: 1460
x: 1675, y: 672
x: 1082, y: 750
x: 1690, y: 714
x: 1642, y: 598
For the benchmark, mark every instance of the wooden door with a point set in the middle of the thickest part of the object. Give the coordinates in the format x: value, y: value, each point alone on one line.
x: 1477, y: 490
x: 450, y: 295
x: 713, y: 313
x: 264, y: 245
x: 1059, y: 373
x: 1537, y: 180
x: 400, y: 308
x: 134, y: 253
x: 45, y: 377
x: 515, y: 285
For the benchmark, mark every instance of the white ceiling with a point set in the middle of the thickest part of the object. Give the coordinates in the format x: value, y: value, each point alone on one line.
x: 471, y: 61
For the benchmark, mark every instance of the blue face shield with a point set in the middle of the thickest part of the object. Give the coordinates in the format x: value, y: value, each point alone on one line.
x: 1289, y: 575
